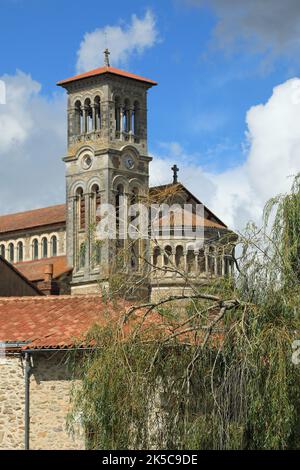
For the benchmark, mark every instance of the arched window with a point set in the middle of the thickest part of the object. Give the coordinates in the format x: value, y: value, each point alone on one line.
x: 53, y: 244
x: 44, y: 247
x: 82, y: 253
x: 97, y: 108
x: 97, y: 253
x: 11, y: 252
x: 167, y: 255
x: 126, y: 116
x: 134, y: 196
x: 20, y: 252
x: 35, y: 249
x: 88, y: 116
x: 156, y: 255
x: 96, y: 202
x: 190, y: 258
x: 80, y: 208
x: 136, y: 118
x: 2, y: 251
x: 201, y: 261
x: 78, y: 127
x: 179, y: 260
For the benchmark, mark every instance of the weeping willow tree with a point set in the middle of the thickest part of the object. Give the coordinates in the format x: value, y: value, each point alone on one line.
x: 216, y: 374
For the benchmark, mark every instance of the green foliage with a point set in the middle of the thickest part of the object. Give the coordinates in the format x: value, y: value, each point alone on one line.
x: 237, y: 390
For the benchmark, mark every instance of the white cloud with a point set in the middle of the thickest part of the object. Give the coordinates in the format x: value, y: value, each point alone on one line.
x: 32, y: 142
x: 122, y: 41
x: 270, y: 27
x: 239, y: 194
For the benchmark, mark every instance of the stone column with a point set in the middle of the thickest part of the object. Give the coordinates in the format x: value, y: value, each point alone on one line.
x: 185, y: 261
x: 196, y: 254
x: 121, y: 123
x: 223, y: 261
x: 85, y: 118
x: 94, y: 118
x: 206, y: 259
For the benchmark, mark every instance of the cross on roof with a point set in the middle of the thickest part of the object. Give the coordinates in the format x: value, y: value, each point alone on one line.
x: 106, y: 57
x: 175, y: 170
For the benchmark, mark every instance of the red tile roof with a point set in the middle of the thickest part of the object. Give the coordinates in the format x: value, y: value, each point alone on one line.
x: 50, y: 322
x: 35, y: 270
x: 34, y: 218
x: 181, y: 217
x: 62, y: 322
x: 104, y: 70
x: 59, y: 322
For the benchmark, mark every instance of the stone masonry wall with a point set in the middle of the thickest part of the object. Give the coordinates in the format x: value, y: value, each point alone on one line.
x: 11, y: 403
x: 50, y: 384
x: 49, y: 390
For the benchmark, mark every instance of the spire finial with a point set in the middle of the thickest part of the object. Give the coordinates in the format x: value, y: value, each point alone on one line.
x: 106, y: 57
x: 175, y: 170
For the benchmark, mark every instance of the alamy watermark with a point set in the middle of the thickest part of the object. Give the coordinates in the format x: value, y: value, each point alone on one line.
x: 2, y: 92
x: 139, y: 221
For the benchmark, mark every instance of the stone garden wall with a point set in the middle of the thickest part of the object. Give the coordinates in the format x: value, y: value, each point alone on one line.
x: 50, y: 384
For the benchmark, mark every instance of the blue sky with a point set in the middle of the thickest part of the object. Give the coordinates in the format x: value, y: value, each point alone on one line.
x: 209, y: 77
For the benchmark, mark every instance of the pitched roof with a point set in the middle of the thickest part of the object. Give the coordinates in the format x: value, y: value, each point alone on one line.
x: 20, y: 275
x: 62, y: 322
x: 181, y: 217
x: 50, y: 321
x: 34, y: 218
x: 106, y: 70
x: 35, y: 270
x: 163, y: 192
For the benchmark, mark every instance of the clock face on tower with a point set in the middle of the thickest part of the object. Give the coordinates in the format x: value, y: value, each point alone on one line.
x: 86, y: 162
x: 129, y: 162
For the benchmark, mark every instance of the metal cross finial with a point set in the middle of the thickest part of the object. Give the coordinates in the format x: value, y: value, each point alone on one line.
x: 175, y: 170
x: 106, y: 57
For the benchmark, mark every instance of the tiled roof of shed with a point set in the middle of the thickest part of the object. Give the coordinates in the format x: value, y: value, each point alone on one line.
x: 51, y: 322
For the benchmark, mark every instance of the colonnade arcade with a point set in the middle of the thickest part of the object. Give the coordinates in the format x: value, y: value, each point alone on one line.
x: 210, y: 260
x: 87, y: 116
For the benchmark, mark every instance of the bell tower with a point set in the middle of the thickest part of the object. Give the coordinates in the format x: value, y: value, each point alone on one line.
x: 107, y: 160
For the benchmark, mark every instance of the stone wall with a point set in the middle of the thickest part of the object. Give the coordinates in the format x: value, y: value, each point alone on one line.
x: 11, y: 403
x: 50, y: 384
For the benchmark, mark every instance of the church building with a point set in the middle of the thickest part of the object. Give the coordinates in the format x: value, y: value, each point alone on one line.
x: 107, y: 162
x: 55, y: 265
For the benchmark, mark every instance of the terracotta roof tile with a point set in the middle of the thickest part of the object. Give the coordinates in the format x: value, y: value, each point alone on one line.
x: 31, y: 219
x: 63, y: 321
x: 181, y: 217
x: 55, y: 322
x: 104, y: 70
